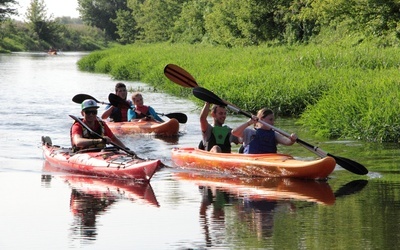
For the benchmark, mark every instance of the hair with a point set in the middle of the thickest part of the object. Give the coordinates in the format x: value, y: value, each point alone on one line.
x: 136, y: 94
x: 119, y: 85
x: 264, y: 112
x: 214, y: 108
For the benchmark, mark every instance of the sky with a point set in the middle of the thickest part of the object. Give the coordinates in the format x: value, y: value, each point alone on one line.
x: 58, y: 8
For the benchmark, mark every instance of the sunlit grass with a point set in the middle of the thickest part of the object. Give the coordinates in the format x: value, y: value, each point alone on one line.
x: 334, y: 91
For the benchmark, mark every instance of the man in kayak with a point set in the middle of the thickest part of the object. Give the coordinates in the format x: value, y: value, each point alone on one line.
x: 216, y: 137
x: 140, y: 110
x: 118, y: 114
x: 81, y: 138
x: 261, y: 139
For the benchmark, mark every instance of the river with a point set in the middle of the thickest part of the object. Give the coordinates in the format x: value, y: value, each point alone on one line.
x: 44, y: 209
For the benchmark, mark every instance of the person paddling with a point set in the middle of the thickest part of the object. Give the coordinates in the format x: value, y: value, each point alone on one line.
x: 217, y: 137
x: 261, y: 139
x: 81, y: 138
x: 118, y: 113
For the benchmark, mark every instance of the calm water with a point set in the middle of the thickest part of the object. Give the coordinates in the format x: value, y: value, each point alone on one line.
x: 44, y: 209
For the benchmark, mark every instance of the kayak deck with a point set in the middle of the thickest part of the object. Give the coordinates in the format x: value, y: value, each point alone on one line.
x: 168, y: 128
x: 253, y: 165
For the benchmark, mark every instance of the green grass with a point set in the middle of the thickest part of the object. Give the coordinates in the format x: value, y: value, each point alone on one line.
x: 336, y: 92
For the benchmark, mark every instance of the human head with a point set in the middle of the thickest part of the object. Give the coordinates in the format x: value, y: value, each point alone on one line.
x: 120, y: 90
x: 266, y: 115
x: 137, y: 99
x: 219, y: 114
x: 89, y: 108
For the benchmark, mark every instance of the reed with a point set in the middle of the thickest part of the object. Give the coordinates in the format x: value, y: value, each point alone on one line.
x: 336, y: 92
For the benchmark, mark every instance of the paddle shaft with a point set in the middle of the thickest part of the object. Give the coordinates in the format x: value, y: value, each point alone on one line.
x: 99, y: 136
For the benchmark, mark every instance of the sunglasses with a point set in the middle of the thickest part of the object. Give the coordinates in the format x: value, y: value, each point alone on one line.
x: 91, y: 112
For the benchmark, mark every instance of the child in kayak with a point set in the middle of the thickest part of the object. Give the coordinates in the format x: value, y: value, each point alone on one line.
x: 261, y: 139
x: 141, y: 111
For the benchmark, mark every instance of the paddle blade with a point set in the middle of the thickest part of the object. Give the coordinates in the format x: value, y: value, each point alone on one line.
x: 182, y: 118
x: 207, y: 96
x: 79, y: 98
x: 350, y: 165
x: 179, y: 76
x: 116, y: 101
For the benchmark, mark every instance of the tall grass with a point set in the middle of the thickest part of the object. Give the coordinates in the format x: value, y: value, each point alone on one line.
x: 334, y: 91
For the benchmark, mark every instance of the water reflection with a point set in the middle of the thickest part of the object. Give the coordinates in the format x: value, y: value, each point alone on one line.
x: 92, y: 197
x: 254, y: 203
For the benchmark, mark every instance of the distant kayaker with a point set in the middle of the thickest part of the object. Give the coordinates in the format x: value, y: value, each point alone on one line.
x: 261, y: 139
x: 140, y: 111
x: 118, y: 114
x: 81, y: 138
x: 216, y: 137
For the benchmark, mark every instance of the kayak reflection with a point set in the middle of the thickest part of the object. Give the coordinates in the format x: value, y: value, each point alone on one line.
x: 252, y: 201
x: 92, y: 197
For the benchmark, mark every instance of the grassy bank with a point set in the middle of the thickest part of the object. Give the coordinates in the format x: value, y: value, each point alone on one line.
x: 336, y: 92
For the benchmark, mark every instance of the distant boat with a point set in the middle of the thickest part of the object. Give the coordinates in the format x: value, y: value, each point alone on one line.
x: 52, y: 52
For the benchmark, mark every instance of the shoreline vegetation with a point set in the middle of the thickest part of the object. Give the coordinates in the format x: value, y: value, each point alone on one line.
x: 336, y: 92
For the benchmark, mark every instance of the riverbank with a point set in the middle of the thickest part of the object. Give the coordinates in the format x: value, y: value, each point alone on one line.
x: 335, y: 92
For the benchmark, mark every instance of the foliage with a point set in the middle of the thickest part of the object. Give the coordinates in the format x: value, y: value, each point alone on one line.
x: 101, y: 13
x: 6, y: 9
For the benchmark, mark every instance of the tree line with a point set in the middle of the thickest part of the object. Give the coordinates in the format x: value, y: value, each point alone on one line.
x: 228, y: 23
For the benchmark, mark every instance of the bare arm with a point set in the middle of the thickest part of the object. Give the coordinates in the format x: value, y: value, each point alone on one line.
x: 238, y: 131
x: 107, y: 113
x: 285, y: 140
x: 203, y: 117
x: 81, y: 142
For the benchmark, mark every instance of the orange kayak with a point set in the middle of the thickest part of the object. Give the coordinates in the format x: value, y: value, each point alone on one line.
x: 167, y: 128
x: 253, y: 165
x: 105, y: 163
x: 265, y: 188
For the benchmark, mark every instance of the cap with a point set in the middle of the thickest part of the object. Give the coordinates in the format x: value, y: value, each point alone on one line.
x: 89, y: 103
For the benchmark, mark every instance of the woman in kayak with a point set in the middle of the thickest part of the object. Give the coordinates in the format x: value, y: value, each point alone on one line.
x: 118, y: 114
x: 217, y: 138
x: 261, y: 139
x: 81, y: 138
x: 140, y: 110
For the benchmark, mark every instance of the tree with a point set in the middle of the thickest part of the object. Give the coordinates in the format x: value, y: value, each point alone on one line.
x: 126, y: 27
x: 6, y: 9
x: 42, y: 26
x: 101, y: 13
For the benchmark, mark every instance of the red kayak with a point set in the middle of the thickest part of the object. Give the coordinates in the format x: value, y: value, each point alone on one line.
x: 108, y: 163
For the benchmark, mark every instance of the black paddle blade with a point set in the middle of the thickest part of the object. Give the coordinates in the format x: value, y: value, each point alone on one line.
x: 351, y: 188
x: 115, y: 100
x: 350, y: 165
x: 79, y: 98
x: 179, y: 76
x: 182, y: 118
x: 207, y: 96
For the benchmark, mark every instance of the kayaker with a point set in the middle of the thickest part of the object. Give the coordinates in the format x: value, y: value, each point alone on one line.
x: 118, y: 114
x: 81, y: 138
x: 140, y: 111
x: 216, y: 137
x: 261, y: 139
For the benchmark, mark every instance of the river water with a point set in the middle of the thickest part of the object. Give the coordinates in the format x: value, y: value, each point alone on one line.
x: 45, y: 209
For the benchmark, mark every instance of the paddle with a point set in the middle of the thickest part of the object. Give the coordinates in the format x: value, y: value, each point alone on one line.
x: 99, y: 136
x: 347, y: 164
x: 79, y: 98
x: 179, y: 76
x: 115, y: 100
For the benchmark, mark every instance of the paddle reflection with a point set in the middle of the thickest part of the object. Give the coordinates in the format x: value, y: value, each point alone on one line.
x: 91, y: 197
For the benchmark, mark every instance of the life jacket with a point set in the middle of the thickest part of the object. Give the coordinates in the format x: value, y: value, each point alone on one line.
x: 219, y: 136
x: 87, y: 134
x: 263, y: 142
x: 120, y: 113
x: 144, y: 112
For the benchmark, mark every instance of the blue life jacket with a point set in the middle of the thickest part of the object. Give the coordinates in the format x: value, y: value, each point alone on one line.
x: 263, y: 142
